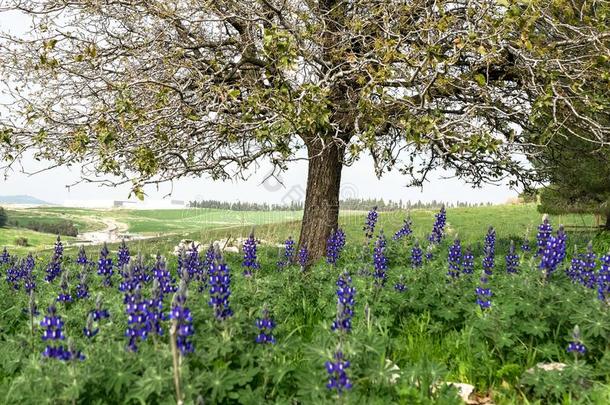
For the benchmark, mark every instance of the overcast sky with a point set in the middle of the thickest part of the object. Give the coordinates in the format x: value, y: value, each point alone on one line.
x: 359, y: 180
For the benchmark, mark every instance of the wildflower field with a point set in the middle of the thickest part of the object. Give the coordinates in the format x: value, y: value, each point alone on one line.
x: 398, y: 310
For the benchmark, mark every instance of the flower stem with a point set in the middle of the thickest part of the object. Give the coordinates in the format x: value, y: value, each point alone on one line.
x: 176, y: 360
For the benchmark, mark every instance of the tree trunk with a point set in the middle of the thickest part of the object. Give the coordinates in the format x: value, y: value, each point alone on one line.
x: 321, y: 211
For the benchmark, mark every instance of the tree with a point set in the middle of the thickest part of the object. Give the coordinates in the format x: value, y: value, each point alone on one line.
x: 578, y: 176
x: 3, y: 217
x: 146, y: 92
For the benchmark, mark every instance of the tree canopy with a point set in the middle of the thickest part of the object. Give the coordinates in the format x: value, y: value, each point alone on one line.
x: 145, y: 92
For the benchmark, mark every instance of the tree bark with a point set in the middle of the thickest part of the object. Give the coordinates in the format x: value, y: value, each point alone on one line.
x: 321, y: 211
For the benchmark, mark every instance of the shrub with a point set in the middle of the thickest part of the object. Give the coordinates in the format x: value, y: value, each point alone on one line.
x: 21, y: 241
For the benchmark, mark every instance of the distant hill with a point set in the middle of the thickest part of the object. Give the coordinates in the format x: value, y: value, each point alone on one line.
x: 22, y: 199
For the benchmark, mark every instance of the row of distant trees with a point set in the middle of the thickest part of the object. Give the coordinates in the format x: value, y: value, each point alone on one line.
x: 347, y: 204
x: 3, y: 217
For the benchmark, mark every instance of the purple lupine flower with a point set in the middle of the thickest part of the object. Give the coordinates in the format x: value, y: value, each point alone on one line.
x: 468, y: 262
x: 53, y: 330
x: 490, y: 241
x: 404, y: 231
x: 265, y: 327
x: 332, y: 248
x: 191, y: 263
x: 288, y: 255
x: 155, y: 312
x: 512, y: 259
x: 82, y: 288
x: 400, y: 286
x: 163, y: 277
x: 525, y: 246
x: 429, y: 253
x: 371, y: 221
x: 5, y: 257
x: 345, y: 303
x: 54, y: 267
x: 438, y: 229
x: 489, y: 262
x: 90, y: 330
x: 99, y: 313
x: 483, y: 293
x: 338, y: 379
x: 14, y: 273
x: 455, y: 259
x: 181, y: 314
x: 82, y: 256
x: 603, y: 279
x: 303, y: 258
x: 340, y: 240
x: 416, y: 255
x: 29, y: 280
x: 220, y: 287
x: 138, y: 326
x: 545, y: 231
x: 554, y: 252
x: 64, y: 296
x: 588, y: 265
x: 123, y: 255
x: 104, y: 265
x: 576, y: 346
x: 380, y: 262
x: 250, y: 262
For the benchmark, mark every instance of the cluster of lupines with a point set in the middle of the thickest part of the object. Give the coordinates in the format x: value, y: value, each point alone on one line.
x: 468, y: 262
x: 429, y: 252
x: 416, y: 255
x: 29, y: 281
x: 123, y: 255
x: 483, y: 293
x: 345, y: 303
x: 220, y: 287
x: 380, y: 261
x: 489, y: 262
x: 603, y: 279
x: 455, y: 259
x: 545, y: 231
x: 265, y: 327
x: 54, y: 267
x: 104, y: 265
x: 525, y: 245
x: 288, y: 255
x: 400, y: 285
x: 576, y: 346
x: 512, y: 259
x: 250, y: 262
x: 554, y: 252
x: 404, y: 231
x: 64, y: 296
x: 438, y: 229
x: 53, y: 331
x: 183, y: 320
x: 369, y: 225
x: 337, y: 375
x: 303, y: 258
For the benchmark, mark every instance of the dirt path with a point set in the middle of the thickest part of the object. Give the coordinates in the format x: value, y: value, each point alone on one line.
x: 114, y: 231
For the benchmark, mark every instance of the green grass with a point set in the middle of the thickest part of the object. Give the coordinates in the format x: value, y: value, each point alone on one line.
x: 35, y: 239
x: 170, y: 226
